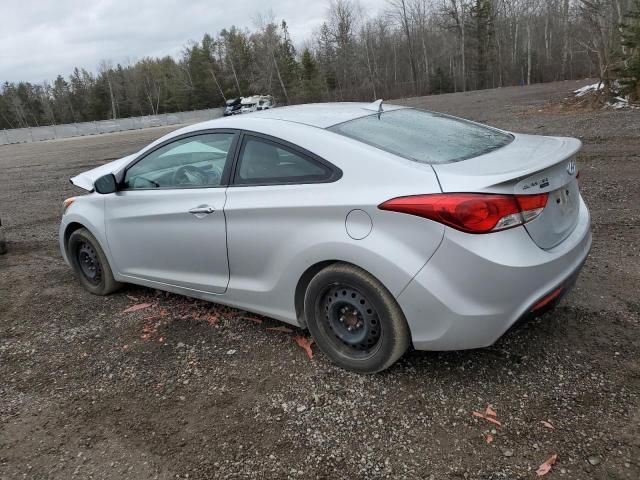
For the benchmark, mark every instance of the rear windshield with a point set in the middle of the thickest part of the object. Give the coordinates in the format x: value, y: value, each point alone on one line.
x: 425, y: 137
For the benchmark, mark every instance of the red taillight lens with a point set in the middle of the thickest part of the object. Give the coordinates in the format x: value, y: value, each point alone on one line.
x: 532, y: 205
x: 471, y: 212
x: 532, y: 202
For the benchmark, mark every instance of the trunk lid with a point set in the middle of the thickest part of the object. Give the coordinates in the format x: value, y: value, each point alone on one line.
x: 530, y: 164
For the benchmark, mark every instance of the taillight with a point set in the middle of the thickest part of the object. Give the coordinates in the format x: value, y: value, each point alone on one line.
x: 531, y: 205
x: 471, y: 212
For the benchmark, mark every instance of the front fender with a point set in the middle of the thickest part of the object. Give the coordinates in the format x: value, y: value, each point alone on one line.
x: 88, y: 212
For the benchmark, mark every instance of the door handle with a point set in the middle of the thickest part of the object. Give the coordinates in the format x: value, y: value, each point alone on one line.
x: 202, y: 210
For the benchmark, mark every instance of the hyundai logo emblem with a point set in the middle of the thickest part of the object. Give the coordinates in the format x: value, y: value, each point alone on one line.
x: 571, y: 167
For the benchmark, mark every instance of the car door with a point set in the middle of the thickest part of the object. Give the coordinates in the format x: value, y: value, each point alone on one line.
x: 277, y: 202
x: 166, y: 223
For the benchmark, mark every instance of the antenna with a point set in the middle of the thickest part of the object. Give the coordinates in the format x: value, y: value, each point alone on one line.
x: 375, y: 106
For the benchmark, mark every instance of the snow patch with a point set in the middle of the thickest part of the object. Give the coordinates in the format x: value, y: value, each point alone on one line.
x: 617, y: 103
x: 581, y: 92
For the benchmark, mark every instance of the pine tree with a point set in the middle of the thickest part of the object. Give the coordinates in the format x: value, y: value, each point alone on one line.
x: 629, y: 74
x: 441, y: 82
x: 311, y: 82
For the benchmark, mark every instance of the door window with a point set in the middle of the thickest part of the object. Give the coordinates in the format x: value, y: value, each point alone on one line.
x: 265, y: 162
x: 196, y: 161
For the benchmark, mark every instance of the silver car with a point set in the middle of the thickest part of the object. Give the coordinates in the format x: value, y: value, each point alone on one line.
x: 375, y: 227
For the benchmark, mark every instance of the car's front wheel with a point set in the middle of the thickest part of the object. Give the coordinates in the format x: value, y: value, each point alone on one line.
x: 355, y: 320
x: 90, y: 263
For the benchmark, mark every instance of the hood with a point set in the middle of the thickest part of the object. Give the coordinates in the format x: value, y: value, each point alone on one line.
x: 86, y: 179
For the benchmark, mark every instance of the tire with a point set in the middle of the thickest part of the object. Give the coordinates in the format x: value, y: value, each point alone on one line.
x: 90, y: 263
x: 354, y: 319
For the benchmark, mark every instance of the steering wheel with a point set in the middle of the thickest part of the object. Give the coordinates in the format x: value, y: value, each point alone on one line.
x: 216, y: 173
x: 190, y: 175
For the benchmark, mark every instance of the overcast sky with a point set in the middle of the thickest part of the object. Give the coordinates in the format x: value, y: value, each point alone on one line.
x: 41, y: 38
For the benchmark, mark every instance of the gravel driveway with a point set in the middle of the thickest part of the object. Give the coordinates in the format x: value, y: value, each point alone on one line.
x: 185, y: 389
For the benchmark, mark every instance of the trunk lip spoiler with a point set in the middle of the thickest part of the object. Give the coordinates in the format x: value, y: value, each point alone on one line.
x: 449, y: 174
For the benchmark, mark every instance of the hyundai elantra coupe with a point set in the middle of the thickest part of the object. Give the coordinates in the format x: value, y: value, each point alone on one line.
x: 376, y: 227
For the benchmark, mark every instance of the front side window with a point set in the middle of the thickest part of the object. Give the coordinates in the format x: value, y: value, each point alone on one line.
x: 422, y: 136
x: 196, y: 161
x: 262, y: 162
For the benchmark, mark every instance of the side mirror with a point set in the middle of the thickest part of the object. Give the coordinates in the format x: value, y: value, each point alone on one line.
x: 106, y: 184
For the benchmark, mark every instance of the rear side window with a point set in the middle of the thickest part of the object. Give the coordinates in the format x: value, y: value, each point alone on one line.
x: 425, y: 137
x: 265, y: 162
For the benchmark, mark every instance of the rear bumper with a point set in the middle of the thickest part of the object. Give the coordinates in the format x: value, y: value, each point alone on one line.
x: 475, y: 288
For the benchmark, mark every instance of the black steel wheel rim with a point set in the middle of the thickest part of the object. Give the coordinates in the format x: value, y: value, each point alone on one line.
x: 352, y: 320
x: 89, y: 263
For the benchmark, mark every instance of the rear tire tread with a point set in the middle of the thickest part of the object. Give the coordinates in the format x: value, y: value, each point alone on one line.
x: 397, y: 338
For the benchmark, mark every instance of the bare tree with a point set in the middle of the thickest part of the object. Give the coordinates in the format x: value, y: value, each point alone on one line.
x: 104, y: 68
x: 598, y: 41
x: 458, y: 10
x: 399, y: 11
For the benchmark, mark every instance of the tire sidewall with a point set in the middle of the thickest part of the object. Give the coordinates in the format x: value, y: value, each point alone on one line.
x: 75, y: 241
x: 392, y: 322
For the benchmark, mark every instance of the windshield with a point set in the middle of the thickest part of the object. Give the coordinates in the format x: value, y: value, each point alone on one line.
x: 423, y: 136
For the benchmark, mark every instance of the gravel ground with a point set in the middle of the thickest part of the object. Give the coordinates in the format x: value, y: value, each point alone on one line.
x: 186, y: 389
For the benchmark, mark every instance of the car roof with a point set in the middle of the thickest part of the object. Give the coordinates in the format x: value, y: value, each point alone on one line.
x: 322, y: 115
x: 313, y: 115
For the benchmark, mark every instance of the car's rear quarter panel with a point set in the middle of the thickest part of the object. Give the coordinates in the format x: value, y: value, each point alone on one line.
x: 476, y: 286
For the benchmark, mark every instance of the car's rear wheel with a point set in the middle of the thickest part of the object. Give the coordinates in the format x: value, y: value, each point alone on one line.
x: 355, y: 320
x: 90, y: 263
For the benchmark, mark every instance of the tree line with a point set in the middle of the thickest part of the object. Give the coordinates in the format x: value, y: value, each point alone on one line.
x: 414, y: 47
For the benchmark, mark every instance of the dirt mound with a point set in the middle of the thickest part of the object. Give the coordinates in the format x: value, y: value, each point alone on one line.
x: 590, y: 98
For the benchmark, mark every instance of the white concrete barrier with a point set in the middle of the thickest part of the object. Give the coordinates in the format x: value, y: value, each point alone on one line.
x: 51, y: 132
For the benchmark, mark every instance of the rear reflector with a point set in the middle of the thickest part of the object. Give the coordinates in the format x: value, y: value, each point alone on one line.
x: 471, y: 212
x: 548, y: 299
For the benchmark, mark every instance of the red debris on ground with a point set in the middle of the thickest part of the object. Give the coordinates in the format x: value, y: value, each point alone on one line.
x: 305, y: 343
x: 488, y: 418
x: 546, y: 466
x: 547, y: 424
x: 139, y: 306
x: 251, y: 319
x: 279, y: 329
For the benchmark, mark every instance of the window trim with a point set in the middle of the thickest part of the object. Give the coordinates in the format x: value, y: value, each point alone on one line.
x: 226, y: 173
x: 334, y: 173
